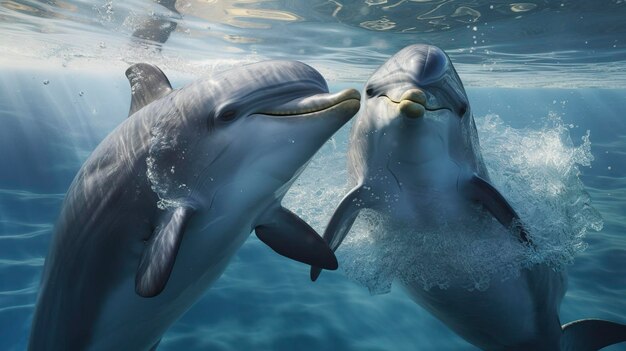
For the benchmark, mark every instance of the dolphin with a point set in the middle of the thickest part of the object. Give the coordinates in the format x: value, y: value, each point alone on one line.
x: 415, y: 142
x: 158, y: 28
x: 162, y: 204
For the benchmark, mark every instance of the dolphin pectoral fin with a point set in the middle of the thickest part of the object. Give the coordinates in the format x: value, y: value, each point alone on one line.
x: 292, y: 237
x: 159, y: 255
x: 591, y: 334
x: 147, y: 83
x: 478, y: 189
x: 340, y: 223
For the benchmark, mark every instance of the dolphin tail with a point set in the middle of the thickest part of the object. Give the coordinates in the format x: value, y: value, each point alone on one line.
x: 340, y: 223
x: 591, y: 334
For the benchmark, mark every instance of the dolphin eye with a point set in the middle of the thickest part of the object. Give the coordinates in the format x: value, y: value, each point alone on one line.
x: 228, y: 115
x: 369, y: 92
x: 462, y: 110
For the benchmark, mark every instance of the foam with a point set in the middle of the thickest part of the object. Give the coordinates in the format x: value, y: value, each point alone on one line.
x: 537, y: 170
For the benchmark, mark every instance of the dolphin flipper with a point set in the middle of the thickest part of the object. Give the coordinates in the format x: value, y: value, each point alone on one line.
x: 159, y: 256
x: 292, y: 237
x: 591, y: 334
x: 478, y: 189
x: 147, y: 83
x: 340, y: 223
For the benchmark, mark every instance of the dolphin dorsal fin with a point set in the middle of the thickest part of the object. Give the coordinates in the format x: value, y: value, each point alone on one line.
x: 147, y: 83
x: 160, y: 252
x: 292, y: 237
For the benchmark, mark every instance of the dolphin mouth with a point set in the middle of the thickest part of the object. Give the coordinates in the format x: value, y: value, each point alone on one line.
x: 413, y: 103
x: 312, y: 104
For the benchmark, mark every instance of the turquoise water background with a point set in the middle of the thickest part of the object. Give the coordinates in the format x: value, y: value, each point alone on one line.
x: 538, y: 69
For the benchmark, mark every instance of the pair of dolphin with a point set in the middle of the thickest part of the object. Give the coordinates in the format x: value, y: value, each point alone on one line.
x: 415, y: 141
x: 162, y: 204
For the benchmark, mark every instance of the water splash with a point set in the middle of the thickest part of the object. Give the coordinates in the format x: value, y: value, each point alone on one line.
x: 458, y: 252
x: 165, y: 150
x: 537, y: 170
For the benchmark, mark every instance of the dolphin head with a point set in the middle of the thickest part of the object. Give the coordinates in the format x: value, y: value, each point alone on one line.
x: 420, y: 79
x: 417, y: 106
x: 256, y: 125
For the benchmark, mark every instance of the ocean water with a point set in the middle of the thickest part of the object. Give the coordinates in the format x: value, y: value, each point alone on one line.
x: 546, y: 81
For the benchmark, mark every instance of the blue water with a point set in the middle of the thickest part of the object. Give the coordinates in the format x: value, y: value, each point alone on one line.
x: 550, y: 72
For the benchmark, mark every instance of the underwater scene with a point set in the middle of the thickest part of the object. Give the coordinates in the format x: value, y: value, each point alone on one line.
x: 312, y: 175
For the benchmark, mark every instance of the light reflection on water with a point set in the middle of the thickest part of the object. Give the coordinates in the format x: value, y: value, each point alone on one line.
x: 573, y: 43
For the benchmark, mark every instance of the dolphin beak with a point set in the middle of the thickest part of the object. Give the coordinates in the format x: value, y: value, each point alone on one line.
x: 312, y: 104
x: 412, y: 103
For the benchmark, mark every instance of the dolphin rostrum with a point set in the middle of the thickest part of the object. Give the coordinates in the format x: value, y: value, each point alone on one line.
x: 415, y: 142
x: 162, y: 204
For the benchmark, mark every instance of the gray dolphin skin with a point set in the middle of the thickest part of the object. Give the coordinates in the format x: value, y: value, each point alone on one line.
x: 415, y: 141
x: 157, y: 28
x: 159, y: 208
